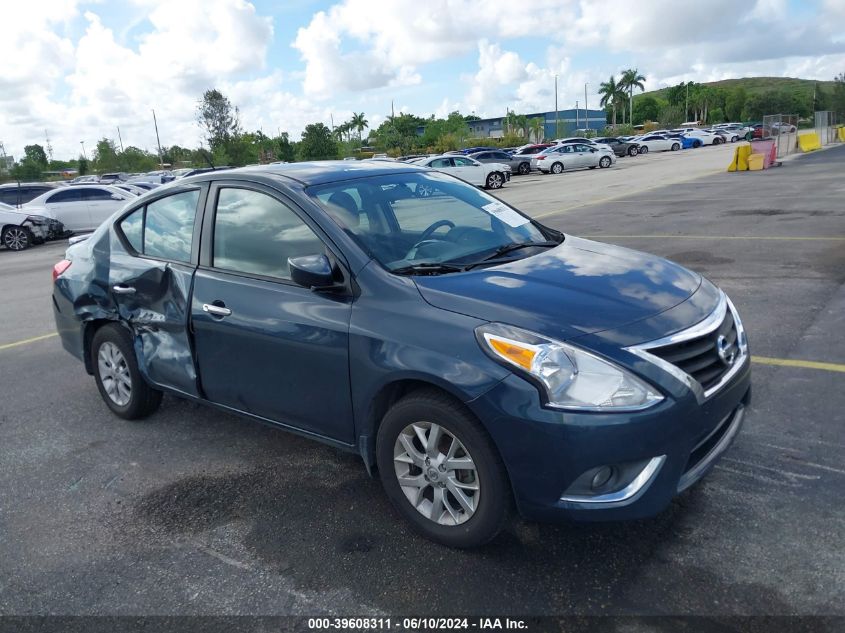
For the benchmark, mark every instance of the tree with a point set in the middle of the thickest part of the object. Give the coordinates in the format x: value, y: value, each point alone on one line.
x: 672, y: 116
x: 646, y: 108
x: 820, y: 98
x: 82, y: 165
x: 317, y: 143
x: 105, y: 156
x: 219, y: 119
x: 734, y: 104
x: 359, y: 122
x: 284, y: 148
x: 611, y: 93
x: 536, y: 125
x: 27, y: 169
x: 631, y: 79
x: 36, y: 154
x: 837, y: 97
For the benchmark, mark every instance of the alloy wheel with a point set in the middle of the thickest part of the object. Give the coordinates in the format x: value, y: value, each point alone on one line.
x: 16, y: 238
x: 436, y: 473
x: 114, y: 373
x: 494, y: 181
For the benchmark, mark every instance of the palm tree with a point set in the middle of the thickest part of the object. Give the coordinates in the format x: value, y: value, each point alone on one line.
x: 535, y: 124
x: 631, y: 79
x: 611, y: 93
x: 359, y: 122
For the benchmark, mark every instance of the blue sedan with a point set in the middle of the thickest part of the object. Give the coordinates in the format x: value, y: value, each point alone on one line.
x: 687, y: 142
x: 475, y: 359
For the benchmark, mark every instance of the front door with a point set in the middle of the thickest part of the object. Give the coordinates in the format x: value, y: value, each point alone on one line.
x: 68, y: 207
x: 265, y: 345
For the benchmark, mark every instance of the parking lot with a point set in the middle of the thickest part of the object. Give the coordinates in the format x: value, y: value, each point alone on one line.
x: 198, y: 512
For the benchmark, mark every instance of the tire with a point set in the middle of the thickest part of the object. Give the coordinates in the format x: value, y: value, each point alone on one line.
x: 485, y: 487
x: 605, y: 162
x: 632, y: 151
x: 495, y: 180
x: 592, y: 166
x: 557, y: 168
x: 676, y: 147
x: 524, y: 169
x: 17, y: 238
x: 696, y: 143
x: 642, y: 149
x: 717, y: 141
x: 116, y: 373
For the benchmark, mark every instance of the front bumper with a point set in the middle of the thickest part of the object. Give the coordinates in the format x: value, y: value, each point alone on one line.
x: 547, y: 452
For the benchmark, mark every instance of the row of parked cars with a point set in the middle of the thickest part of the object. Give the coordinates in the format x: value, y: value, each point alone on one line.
x: 34, y: 212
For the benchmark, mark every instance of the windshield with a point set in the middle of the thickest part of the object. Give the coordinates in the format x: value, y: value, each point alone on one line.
x: 427, y: 219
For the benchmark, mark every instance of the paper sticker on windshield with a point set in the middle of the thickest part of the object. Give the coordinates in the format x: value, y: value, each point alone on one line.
x: 505, y: 214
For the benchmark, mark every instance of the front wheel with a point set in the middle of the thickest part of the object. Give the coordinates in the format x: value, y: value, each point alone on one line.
x: 495, y: 180
x: 17, y: 238
x: 632, y: 151
x: 118, y: 378
x: 676, y: 147
x: 524, y: 169
x: 604, y: 162
x: 643, y: 149
x: 557, y: 168
x: 441, y: 471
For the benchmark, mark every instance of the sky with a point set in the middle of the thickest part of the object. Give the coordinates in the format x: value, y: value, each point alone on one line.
x: 75, y: 71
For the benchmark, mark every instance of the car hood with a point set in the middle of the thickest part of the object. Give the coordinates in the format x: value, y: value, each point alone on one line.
x: 580, y: 287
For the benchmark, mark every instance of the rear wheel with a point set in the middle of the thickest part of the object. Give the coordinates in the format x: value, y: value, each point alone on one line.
x: 696, y: 143
x: 118, y: 379
x: 495, y: 180
x: 524, y: 168
x: 557, y: 168
x: 604, y: 162
x: 441, y: 471
x: 17, y: 238
x: 642, y: 149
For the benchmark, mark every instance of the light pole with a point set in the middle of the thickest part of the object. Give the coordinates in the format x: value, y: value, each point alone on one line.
x: 84, y: 155
x: 586, y: 110
x: 557, y: 125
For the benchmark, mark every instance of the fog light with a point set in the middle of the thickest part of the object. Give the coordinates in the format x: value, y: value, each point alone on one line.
x: 601, y: 477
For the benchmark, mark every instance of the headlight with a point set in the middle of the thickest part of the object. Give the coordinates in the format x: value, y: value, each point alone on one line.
x: 572, y: 378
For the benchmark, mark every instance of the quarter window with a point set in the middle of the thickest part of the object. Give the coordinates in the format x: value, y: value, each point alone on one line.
x: 169, y: 226
x: 133, y: 229
x: 93, y: 195
x: 255, y: 233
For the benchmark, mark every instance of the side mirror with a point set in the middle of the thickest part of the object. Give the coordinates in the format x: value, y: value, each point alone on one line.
x: 312, y: 271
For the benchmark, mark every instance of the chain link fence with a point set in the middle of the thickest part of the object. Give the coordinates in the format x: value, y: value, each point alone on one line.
x: 825, y: 126
x: 783, y: 130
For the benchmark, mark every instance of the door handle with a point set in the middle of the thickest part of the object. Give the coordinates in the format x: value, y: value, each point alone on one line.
x: 216, y: 310
x: 122, y: 289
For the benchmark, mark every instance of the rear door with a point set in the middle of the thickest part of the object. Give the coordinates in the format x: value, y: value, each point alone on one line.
x: 67, y: 207
x: 102, y: 203
x: 150, y: 282
x: 469, y: 170
x: 264, y: 344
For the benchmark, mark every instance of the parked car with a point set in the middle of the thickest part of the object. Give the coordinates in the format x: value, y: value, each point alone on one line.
x: 520, y: 164
x: 687, y: 142
x: 572, y: 156
x: 657, y: 143
x: 19, y: 230
x: 473, y: 150
x: 535, y: 148
x: 16, y: 194
x: 620, y: 147
x: 470, y: 355
x: 488, y: 175
x: 82, y: 207
x: 89, y: 179
x: 145, y: 186
x: 783, y: 128
x: 582, y: 141
x: 107, y: 179
x: 707, y: 137
x: 131, y: 188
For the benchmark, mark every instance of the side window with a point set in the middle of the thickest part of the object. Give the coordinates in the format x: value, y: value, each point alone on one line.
x: 441, y: 162
x: 256, y: 233
x: 68, y: 195
x: 92, y: 195
x: 132, y: 227
x: 169, y: 226
x: 566, y: 149
x: 464, y: 162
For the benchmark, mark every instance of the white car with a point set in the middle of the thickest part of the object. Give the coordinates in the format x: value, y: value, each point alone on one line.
x: 19, y: 230
x: 554, y: 160
x: 80, y: 208
x: 581, y: 140
x: 657, y: 143
x: 488, y: 175
x: 707, y: 138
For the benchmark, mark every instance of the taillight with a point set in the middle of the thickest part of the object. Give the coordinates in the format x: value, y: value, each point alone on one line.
x: 541, y: 157
x: 59, y: 268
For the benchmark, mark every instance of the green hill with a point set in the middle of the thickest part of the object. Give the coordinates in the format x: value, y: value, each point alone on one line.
x: 755, y: 85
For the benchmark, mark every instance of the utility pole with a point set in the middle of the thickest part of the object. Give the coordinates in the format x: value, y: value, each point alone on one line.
x: 586, y: 110
x: 120, y: 139
x: 49, y: 147
x: 686, y: 104
x: 577, y: 122
x: 84, y: 155
x: 158, y: 142
x: 557, y: 124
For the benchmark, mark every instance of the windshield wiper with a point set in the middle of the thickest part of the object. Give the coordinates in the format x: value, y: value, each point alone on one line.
x: 494, y: 257
x: 428, y: 268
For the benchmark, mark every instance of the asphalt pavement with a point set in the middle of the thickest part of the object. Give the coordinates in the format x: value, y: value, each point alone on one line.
x: 198, y: 512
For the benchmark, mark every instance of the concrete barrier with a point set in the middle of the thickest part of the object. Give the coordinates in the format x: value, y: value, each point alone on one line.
x: 841, y: 134
x: 809, y: 142
x: 740, y: 159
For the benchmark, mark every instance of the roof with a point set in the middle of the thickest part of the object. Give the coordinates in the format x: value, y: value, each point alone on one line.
x: 321, y: 172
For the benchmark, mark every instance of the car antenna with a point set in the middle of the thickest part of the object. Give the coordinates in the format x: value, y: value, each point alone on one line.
x: 207, y: 158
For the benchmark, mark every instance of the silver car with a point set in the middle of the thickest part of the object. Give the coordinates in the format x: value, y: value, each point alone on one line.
x: 518, y: 164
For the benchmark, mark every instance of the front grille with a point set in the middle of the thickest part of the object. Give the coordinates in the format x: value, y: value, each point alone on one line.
x: 699, y: 357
